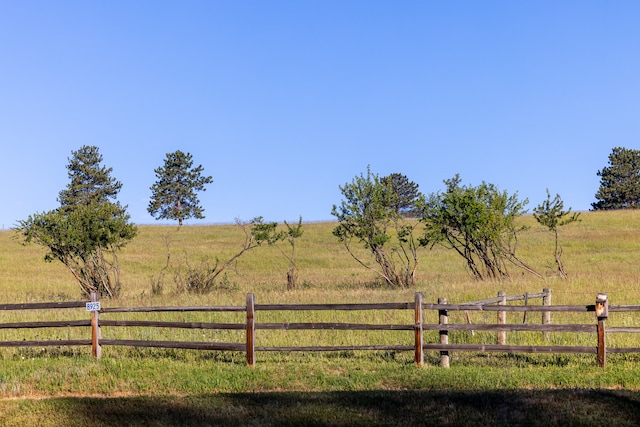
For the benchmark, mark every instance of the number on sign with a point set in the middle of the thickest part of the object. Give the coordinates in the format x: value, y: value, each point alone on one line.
x: 93, y: 306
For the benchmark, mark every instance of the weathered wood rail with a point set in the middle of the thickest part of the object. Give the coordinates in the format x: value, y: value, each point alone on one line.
x: 439, y: 312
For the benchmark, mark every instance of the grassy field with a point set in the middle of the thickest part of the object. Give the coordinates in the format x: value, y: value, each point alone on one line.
x: 61, y: 386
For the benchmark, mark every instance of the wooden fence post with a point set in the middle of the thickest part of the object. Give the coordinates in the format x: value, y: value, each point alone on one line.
x: 444, y: 334
x: 251, y: 330
x: 96, y: 349
x: 602, y: 313
x: 419, y: 354
x: 546, y: 315
x: 502, y: 318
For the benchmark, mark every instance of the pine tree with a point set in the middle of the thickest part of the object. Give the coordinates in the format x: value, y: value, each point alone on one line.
x: 620, y: 181
x: 173, y: 195
x: 404, y: 193
x: 87, y: 230
x: 90, y: 181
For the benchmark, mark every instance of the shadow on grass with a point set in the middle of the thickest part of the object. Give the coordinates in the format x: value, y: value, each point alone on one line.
x: 370, y: 408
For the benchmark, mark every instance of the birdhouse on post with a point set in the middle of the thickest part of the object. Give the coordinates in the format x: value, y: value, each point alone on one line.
x: 602, y: 307
x: 602, y: 313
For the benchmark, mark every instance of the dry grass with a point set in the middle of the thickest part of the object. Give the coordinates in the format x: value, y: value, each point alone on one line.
x: 600, y: 254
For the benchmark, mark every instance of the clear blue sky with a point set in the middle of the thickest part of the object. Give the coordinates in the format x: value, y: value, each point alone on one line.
x: 284, y: 101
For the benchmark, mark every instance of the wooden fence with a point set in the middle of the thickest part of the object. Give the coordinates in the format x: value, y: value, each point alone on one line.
x: 439, y: 314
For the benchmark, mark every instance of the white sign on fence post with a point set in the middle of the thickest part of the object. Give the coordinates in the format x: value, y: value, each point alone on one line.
x: 93, y: 306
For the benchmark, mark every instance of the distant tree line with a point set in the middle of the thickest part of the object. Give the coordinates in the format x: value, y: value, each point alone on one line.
x: 382, y: 215
x: 90, y: 226
x: 387, y: 216
x: 477, y: 222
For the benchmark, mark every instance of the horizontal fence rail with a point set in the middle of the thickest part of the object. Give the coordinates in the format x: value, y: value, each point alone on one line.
x: 42, y: 305
x: 440, y: 312
x: 44, y: 324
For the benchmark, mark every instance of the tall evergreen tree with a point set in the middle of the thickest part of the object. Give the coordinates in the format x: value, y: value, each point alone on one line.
x: 87, y: 230
x: 90, y: 182
x: 173, y: 195
x: 620, y: 181
x: 403, y: 194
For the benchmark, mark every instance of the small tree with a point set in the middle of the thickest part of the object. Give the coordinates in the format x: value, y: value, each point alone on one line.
x: 173, y: 195
x: 478, y: 223
x: 88, y: 229
x: 367, y: 215
x: 404, y: 194
x: 620, y: 181
x: 203, y: 278
x: 292, y: 234
x: 550, y: 214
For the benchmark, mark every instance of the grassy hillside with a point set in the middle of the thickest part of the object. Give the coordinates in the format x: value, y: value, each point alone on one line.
x: 600, y: 254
